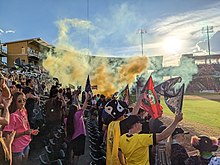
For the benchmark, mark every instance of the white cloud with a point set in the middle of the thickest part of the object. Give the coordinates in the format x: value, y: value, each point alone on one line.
x: 6, y: 31
x: 1, y: 31
x: 117, y: 32
x: 187, y: 26
x: 123, y: 25
x: 9, y: 31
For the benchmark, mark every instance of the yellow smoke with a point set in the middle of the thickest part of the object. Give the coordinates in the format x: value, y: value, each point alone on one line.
x: 72, y: 67
x: 131, y: 69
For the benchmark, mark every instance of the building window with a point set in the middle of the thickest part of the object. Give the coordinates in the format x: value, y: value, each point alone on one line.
x: 22, y: 50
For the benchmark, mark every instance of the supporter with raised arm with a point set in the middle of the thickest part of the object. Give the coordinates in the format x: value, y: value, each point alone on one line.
x: 76, y: 131
x: 135, y: 146
x: 113, y: 116
x: 5, y: 143
x: 19, y: 123
x: 137, y: 105
x: 5, y: 90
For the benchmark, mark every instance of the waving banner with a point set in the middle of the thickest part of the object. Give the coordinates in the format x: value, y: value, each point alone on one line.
x: 173, y: 97
x: 150, y: 102
x: 174, y: 103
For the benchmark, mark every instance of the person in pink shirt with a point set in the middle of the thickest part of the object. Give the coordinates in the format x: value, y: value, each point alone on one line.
x: 76, y: 131
x: 19, y: 123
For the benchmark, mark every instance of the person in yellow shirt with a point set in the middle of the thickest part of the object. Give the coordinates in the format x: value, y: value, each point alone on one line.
x: 135, y: 147
x: 114, y: 118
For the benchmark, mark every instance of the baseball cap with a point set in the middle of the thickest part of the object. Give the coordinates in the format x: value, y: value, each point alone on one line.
x: 179, y: 131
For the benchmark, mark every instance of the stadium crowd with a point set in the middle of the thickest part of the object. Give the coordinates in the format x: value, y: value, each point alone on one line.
x: 118, y: 133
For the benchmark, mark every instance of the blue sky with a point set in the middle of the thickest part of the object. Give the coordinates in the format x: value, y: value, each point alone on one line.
x: 173, y: 26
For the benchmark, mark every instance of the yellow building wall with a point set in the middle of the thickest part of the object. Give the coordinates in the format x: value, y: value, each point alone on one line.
x: 17, y: 50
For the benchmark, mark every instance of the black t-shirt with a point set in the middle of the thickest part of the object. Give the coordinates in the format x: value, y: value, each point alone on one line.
x: 178, y: 155
x: 53, y: 91
x: 69, y: 96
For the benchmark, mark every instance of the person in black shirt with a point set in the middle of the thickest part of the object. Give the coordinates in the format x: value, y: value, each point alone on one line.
x: 178, y: 152
x: 32, y: 98
x: 100, y: 107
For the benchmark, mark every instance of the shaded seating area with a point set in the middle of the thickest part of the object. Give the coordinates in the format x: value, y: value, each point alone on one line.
x: 55, y: 148
x: 97, y: 146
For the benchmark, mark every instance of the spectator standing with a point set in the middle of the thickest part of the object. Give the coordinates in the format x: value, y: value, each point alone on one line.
x: 178, y: 153
x: 135, y: 147
x: 100, y: 107
x: 5, y: 143
x: 19, y: 123
x: 76, y: 131
x: 32, y: 98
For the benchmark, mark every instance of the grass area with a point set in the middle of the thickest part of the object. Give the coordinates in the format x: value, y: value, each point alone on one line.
x: 200, y: 112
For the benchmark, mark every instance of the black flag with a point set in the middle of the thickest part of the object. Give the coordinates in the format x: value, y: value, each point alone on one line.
x: 124, y: 95
x: 88, y: 85
x: 175, y: 102
x: 167, y: 86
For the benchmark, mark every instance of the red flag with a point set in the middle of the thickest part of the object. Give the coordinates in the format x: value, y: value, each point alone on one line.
x: 150, y: 102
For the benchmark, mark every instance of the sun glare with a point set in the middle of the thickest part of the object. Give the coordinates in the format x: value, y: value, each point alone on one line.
x: 172, y: 45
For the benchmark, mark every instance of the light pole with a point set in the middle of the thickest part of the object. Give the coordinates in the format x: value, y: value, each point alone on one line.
x: 142, y: 31
x: 87, y: 11
x: 207, y: 30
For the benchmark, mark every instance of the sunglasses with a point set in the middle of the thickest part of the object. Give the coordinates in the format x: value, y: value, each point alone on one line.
x: 20, y: 101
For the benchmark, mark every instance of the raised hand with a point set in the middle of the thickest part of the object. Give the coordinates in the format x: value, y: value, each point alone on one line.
x: 7, y: 102
x: 2, y: 82
x: 179, y: 117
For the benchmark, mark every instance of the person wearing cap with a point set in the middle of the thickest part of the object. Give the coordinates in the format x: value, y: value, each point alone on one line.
x: 206, y: 146
x: 135, y: 146
x: 178, y: 153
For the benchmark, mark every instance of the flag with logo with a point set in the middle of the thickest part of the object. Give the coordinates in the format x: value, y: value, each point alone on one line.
x: 173, y: 97
x: 167, y: 86
x: 175, y: 102
x: 150, y: 102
